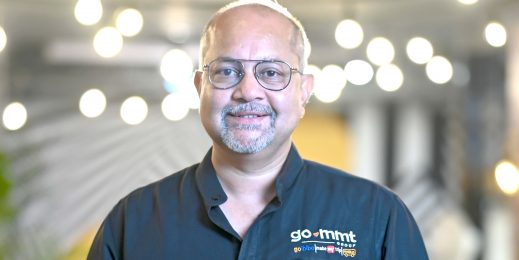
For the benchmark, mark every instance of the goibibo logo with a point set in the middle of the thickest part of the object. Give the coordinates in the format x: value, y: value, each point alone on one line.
x: 323, y: 235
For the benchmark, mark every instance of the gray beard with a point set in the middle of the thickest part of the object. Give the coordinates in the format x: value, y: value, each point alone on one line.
x: 251, y: 145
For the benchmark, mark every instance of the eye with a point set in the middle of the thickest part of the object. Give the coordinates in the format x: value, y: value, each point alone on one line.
x: 271, y: 73
x: 272, y: 70
x: 227, y: 72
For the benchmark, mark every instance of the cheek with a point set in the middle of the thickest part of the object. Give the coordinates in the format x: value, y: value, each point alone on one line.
x: 288, y: 107
x: 211, y: 103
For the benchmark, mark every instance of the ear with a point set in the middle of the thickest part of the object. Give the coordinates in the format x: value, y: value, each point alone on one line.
x: 307, y: 86
x: 197, y: 80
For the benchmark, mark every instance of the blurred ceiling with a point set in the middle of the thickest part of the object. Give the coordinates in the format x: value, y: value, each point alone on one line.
x: 45, y: 38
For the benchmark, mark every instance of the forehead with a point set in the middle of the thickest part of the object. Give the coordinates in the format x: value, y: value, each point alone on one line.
x: 248, y: 9
x: 251, y: 26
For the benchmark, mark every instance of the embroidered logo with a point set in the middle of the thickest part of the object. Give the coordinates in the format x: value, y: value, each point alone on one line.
x: 325, y: 241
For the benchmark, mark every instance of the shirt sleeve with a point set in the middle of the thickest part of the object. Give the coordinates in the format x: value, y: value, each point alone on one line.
x: 403, y: 239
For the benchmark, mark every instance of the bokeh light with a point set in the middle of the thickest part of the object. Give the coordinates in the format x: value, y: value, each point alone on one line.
x: 129, y: 22
x: 495, y: 34
x: 176, y: 67
x: 468, y: 2
x: 380, y: 51
x: 108, y: 42
x: 92, y: 103
x: 316, y: 72
x: 88, y: 12
x: 3, y: 39
x: 14, y: 116
x: 419, y: 50
x: 358, y: 72
x: 439, y: 70
x: 134, y: 110
x: 328, y: 95
x: 312, y: 69
x: 349, y: 34
x: 187, y: 91
x: 389, y: 77
x: 191, y: 95
x: 507, y: 177
x: 175, y: 107
x: 329, y: 83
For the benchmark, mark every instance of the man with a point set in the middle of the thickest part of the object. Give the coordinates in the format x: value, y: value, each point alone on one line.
x: 253, y: 196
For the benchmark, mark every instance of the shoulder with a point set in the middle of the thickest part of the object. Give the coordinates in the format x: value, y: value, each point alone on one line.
x: 143, y: 198
x: 345, y: 183
x: 139, y: 212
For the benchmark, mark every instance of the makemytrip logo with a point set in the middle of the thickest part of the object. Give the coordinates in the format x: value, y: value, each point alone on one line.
x: 346, y: 252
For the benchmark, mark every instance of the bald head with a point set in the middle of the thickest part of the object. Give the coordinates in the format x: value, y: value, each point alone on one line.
x: 229, y: 16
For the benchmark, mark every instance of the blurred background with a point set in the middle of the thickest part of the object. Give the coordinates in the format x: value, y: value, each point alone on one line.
x: 419, y: 95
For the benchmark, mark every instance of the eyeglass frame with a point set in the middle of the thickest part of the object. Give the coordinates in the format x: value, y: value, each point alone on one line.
x: 242, y: 72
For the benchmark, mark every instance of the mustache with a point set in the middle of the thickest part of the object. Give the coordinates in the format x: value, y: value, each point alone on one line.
x: 250, y: 107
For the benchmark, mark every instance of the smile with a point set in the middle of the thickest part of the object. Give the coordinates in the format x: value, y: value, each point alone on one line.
x: 248, y: 113
x: 249, y: 116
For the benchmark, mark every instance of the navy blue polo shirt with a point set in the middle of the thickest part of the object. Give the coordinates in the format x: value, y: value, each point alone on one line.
x: 318, y: 213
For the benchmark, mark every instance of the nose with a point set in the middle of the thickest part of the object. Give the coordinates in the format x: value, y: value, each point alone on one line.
x: 248, y: 89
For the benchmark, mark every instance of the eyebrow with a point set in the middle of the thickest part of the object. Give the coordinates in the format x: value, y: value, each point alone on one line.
x: 261, y: 58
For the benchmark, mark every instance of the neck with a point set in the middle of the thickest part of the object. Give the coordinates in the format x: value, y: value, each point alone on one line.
x: 249, y: 175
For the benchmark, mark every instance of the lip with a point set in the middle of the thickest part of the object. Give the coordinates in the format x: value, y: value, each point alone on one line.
x: 247, y: 118
x: 247, y: 115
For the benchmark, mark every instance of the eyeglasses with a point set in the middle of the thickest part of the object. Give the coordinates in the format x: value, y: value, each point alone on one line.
x: 273, y: 75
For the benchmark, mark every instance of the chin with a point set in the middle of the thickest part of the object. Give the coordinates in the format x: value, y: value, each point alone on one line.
x: 246, y: 148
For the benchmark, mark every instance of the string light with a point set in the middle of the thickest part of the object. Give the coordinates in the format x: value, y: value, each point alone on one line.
x: 88, y: 12
x: 389, y: 77
x: 108, y: 42
x: 349, y: 34
x: 134, y: 110
x: 358, y: 72
x: 129, y: 22
x: 329, y: 83
x: 495, y: 34
x: 380, y: 51
x: 14, y: 116
x: 92, y: 103
x: 468, y: 2
x: 507, y: 177
x: 419, y: 50
x: 439, y: 70
x: 176, y: 67
x: 175, y: 107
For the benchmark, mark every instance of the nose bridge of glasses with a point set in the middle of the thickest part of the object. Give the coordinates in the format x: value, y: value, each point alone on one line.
x: 248, y: 68
x: 249, y: 73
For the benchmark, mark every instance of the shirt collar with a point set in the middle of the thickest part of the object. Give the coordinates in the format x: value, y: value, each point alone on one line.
x: 213, y: 193
x: 291, y: 169
x: 208, y: 184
